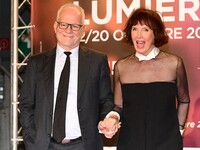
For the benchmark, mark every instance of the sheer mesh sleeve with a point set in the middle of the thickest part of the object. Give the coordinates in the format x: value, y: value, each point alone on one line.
x: 183, y: 93
x: 117, y: 91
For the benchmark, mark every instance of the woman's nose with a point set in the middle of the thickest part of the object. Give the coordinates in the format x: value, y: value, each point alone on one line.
x: 139, y: 34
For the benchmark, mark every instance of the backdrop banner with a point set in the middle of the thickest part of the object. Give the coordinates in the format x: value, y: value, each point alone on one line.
x: 105, y: 20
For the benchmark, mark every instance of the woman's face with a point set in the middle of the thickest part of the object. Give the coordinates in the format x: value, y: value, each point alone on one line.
x: 142, y: 38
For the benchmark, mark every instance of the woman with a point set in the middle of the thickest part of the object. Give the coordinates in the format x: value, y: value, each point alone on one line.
x: 151, y: 89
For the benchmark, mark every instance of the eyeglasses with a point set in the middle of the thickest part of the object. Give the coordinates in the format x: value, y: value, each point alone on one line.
x: 74, y: 27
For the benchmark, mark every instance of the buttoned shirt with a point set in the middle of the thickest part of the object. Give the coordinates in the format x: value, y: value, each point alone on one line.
x: 72, y: 127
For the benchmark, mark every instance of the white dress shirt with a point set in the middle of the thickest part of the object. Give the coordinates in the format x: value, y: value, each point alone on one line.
x: 72, y: 127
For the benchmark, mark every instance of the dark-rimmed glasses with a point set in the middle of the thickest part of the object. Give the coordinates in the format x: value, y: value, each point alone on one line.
x: 74, y: 27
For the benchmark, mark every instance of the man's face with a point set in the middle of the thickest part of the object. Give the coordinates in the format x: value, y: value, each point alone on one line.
x: 69, y: 28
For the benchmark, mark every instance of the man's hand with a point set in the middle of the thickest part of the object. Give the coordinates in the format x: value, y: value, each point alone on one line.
x: 109, y: 126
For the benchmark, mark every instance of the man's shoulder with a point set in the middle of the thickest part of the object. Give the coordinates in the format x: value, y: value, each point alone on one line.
x: 91, y: 51
x: 43, y: 54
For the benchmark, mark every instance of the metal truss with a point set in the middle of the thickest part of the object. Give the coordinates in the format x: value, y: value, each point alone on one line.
x: 20, y: 31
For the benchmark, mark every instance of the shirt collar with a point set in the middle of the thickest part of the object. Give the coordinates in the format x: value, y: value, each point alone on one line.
x: 60, y: 51
x: 155, y: 51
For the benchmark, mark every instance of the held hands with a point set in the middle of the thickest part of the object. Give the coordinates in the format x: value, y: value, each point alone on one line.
x: 109, y: 126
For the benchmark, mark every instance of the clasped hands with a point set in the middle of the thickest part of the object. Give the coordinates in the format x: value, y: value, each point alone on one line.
x: 109, y: 126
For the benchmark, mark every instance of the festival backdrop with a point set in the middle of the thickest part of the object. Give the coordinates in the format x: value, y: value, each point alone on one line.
x: 105, y: 20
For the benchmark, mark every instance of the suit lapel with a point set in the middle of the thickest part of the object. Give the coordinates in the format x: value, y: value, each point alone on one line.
x: 49, y: 65
x: 83, y: 69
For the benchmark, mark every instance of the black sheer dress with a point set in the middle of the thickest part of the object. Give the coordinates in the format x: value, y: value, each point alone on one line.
x: 154, y: 98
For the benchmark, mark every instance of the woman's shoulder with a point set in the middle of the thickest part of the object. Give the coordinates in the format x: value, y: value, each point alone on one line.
x: 124, y: 59
x: 169, y: 56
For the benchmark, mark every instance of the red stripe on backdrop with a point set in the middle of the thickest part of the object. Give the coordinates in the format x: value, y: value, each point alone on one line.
x: 105, y: 21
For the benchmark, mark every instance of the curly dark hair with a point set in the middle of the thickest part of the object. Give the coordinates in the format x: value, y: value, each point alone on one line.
x: 151, y: 19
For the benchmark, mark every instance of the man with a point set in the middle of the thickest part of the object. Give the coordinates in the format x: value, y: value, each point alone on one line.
x: 89, y: 97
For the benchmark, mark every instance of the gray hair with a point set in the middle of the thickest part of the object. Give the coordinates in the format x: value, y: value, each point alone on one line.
x: 79, y: 9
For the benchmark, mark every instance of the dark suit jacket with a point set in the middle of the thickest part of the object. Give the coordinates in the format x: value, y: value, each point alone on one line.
x: 95, y: 98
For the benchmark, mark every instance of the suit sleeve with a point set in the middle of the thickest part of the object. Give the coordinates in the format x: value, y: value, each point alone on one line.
x: 106, y: 95
x: 27, y: 102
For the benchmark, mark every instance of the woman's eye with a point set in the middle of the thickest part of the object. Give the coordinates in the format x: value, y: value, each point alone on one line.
x: 133, y: 28
x: 145, y: 29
